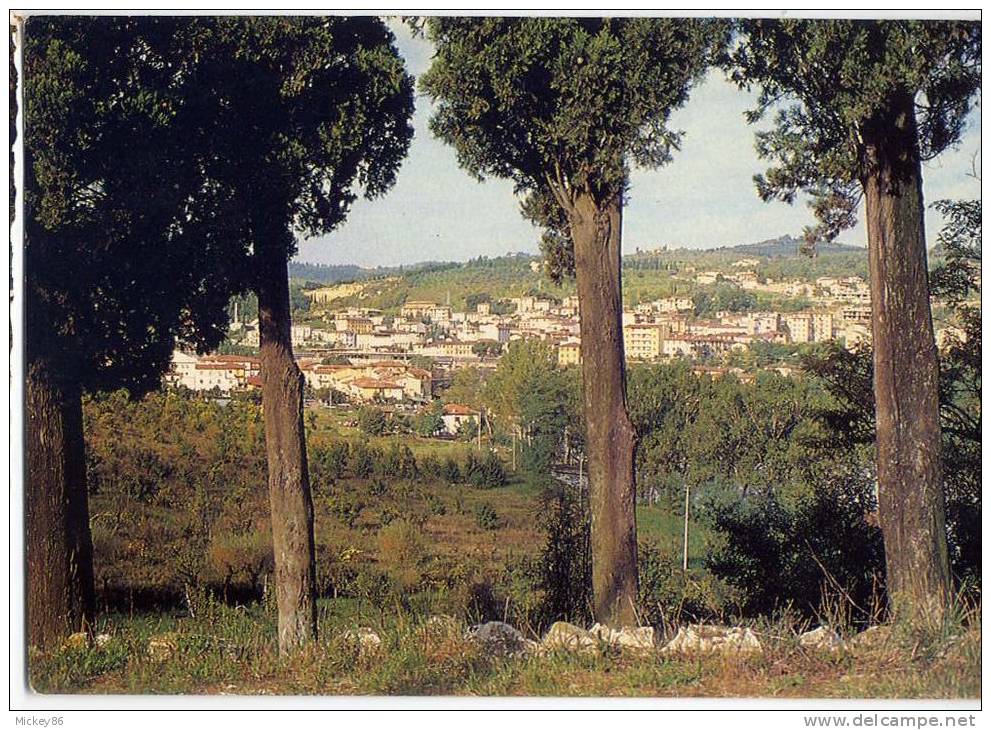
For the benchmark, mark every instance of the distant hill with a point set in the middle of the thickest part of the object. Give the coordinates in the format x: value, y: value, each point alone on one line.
x: 787, y: 246
x: 327, y: 274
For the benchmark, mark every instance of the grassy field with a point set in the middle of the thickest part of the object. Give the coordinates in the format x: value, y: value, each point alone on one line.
x: 392, y: 552
x: 232, y: 651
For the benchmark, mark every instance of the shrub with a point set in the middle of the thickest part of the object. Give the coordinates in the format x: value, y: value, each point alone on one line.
x: 246, y: 556
x: 403, y: 553
x: 565, y: 561
x: 431, y: 466
x: 361, y: 459
x: 451, y: 471
x: 345, y: 508
x: 801, y: 556
x: 328, y: 463
x: 378, y: 487
x: 398, y: 462
x: 436, y: 505
x: 371, y: 420
x: 486, y: 517
x: 486, y: 472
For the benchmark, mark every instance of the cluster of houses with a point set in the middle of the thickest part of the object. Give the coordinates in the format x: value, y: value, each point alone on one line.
x: 366, y: 355
x: 375, y: 381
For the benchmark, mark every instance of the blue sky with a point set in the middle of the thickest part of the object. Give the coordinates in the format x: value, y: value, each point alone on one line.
x: 704, y: 198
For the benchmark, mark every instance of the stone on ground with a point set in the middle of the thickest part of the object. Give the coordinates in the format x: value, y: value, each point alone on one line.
x: 366, y: 639
x: 78, y: 640
x: 563, y: 635
x: 162, y: 647
x: 498, y: 638
x: 640, y: 638
x: 823, y: 638
x: 706, y: 639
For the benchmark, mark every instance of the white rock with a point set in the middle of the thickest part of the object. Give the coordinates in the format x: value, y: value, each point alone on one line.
x: 563, y: 635
x: 823, y: 638
x: 101, y: 640
x: 640, y: 638
x: 162, y: 647
x: 498, y: 638
x: 366, y: 639
x: 872, y: 637
x: 705, y: 639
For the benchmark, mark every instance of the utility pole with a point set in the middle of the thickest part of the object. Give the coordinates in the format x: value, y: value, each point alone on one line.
x: 514, y: 448
x: 480, y: 431
x: 684, y: 563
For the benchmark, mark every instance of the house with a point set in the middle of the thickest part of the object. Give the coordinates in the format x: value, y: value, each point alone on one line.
x: 569, y: 353
x: 456, y: 415
x: 370, y: 389
x: 644, y: 341
x: 418, y: 310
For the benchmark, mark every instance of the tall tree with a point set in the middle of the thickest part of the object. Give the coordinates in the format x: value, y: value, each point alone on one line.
x: 874, y: 99
x: 124, y: 254
x: 304, y: 113
x: 563, y: 107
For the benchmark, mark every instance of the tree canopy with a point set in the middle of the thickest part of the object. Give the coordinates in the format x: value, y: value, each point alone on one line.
x: 126, y: 245
x: 825, y: 82
x: 563, y: 105
x: 304, y: 114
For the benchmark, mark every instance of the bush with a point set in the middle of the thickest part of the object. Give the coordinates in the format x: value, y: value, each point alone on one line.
x: 436, y: 505
x: 345, y: 508
x: 566, y: 560
x: 361, y: 460
x: 403, y: 553
x: 484, y: 472
x: 451, y: 471
x: 328, y: 463
x: 398, y: 462
x: 801, y: 556
x: 245, y: 556
x: 486, y: 517
x: 371, y: 420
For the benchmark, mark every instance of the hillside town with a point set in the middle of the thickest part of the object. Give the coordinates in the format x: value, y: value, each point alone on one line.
x: 361, y: 355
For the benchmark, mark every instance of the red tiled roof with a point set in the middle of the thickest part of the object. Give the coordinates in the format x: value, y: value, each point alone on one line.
x: 372, y: 383
x: 456, y: 409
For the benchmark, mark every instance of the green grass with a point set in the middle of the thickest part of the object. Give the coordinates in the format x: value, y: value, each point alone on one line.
x: 233, y: 651
x: 666, y: 528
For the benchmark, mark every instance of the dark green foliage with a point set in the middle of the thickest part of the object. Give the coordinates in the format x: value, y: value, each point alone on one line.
x: 127, y: 247
x: 759, y: 436
x: 397, y: 462
x: 562, y: 105
x: 824, y: 551
x: 430, y: 420
x: 842, y: 74
x: 451, y: 471
x: 361, y: 460
x: 530, y: 393
x: 485, y: 472
x: 849, y: 378
x: 330, y: 103
x: 566, y: 560
x: 372, y: 420
x: 723, y: 299
x: 328, y: 463
x: 486, y: 517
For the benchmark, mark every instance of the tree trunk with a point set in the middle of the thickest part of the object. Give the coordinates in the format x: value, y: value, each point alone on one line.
x: 285, y: 445
x: 910, y: 484
x: 58, y: 546
x: 596, y: 229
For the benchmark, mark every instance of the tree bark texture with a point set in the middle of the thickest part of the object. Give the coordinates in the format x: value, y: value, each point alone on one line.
x: 285, y: 444
x: 911, y: 506
x: 58, y: 546
x: 596, y: 230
